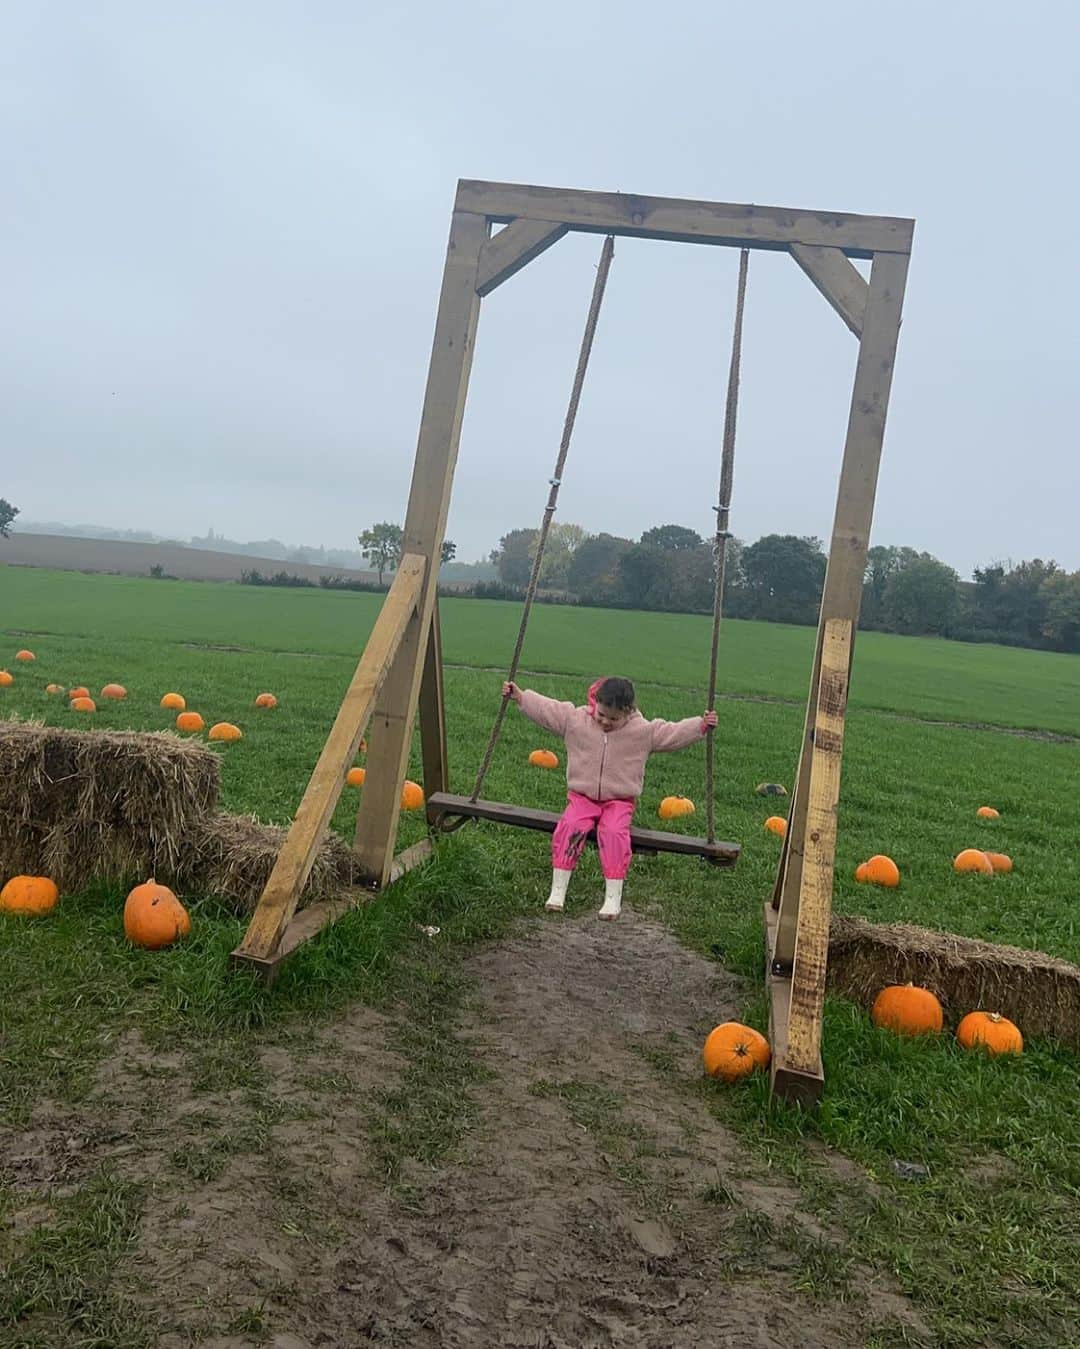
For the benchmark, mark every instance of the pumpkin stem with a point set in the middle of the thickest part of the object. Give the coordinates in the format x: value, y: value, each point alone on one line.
x: 993, y: 1016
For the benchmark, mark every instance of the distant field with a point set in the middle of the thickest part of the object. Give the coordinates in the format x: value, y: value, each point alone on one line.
x: 946, y: 681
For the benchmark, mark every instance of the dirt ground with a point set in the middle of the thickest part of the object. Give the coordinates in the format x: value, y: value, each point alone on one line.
x: 594, y: 1200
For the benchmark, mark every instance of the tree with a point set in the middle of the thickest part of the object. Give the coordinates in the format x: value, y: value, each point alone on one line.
x: 1061, y: 596
x: 562, y: 542
x: 381, y: 546
x: 449, y: 551
x: 8, y: 512
x: 922, y: 595
x: 1010, y: 601
x: 513, y: 557
x: 782, y: 578
x: 671, y: 538
x: 639, y: 568
x: 593, y: 567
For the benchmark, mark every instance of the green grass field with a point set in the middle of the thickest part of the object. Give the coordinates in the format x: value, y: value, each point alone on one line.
x: 931, y: 736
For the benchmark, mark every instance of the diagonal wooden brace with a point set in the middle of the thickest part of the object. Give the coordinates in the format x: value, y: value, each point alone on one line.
x: 279, y: 899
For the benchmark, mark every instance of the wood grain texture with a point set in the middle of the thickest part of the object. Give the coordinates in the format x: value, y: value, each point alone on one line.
x: 837, y: 279
x: 704, y: 222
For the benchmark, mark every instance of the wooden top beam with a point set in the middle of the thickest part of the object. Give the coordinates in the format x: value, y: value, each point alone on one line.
x: 697, y: 222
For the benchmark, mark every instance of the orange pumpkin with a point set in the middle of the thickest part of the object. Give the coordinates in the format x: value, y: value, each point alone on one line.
x: 6, y: 679
x: 189, y: 721
x: 988, y: 813
x: 355, y: 777
x: 29, y: 894
x: 861, y: 870
x: 999, y: 861
x: 990, y: 1031
x: 154, y: 917
x: 225, y: 730
x: 176, y: 701
x: 907, y: 1010
x: 675, y: 807
x: 733, y: 1050
x: 114, y: 691
x: 412, y: 796
x: 266, y: 700
x: 882, y: 870
x: 544, y: 758
x: 25, y: 655
x: 83, y: 705
x: 776, y: 824
x: 55, y: 688
x: 80, y: 692
x: 972, y: 859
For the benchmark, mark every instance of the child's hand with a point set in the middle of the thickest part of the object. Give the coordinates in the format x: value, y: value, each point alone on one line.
x: 511, y: 690
x: 708, y: 720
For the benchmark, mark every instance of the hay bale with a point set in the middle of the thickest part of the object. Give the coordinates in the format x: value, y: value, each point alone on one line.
x: 231, y: 856
x: 1038, y: 992
x: 82, y: 805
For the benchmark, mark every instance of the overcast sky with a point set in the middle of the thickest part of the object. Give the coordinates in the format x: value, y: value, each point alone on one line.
x: 224, y: 228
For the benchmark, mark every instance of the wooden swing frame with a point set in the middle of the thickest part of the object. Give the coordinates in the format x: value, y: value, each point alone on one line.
x: 400, y: 671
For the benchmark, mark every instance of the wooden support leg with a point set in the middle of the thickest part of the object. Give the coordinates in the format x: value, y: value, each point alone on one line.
x: 847, y: 552
x: 425, y: 524
x: 433, y: 713
x: 279, y: 899
x: 797, y: 1000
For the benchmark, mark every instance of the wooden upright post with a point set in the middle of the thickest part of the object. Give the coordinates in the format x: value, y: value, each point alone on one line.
x: 802, y: 899
x: 425, y: 524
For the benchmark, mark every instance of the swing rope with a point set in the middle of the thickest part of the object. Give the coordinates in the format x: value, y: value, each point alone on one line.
x: 606, y: 255
x: 727, y: 473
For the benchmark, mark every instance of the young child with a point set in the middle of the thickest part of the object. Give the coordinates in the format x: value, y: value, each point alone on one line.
x: 607, y: 743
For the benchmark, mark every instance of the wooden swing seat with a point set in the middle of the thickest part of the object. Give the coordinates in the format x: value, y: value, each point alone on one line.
x: 442, y: 806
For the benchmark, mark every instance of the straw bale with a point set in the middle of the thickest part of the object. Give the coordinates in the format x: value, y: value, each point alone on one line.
x: 231, y: 856
x: 1038, y: 992
x: 83, y: 805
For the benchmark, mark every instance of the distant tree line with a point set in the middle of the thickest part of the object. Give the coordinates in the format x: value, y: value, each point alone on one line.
x: 779, y: 578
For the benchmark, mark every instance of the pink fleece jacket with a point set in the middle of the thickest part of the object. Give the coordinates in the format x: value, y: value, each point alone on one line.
x: 607, y: 765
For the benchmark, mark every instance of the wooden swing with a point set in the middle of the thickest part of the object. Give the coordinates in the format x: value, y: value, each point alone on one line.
x: 496, y: 229
x: 447, y: 812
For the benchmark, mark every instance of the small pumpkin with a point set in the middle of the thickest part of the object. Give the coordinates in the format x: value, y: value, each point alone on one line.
x: 990, y: 1031
x: 907, y: 1010
x: 999, y: 861
x: 154, y: 917
x: 266, y: 700
x: 29, y: 894
x: 988, y: 813
x: 25, y: 655
x: 225, y: 730
x: 412, y: 796
x: 355, y: 777
x: 770, y: 789
x: 80, y: 692
x: 114, y: 691
x: 544, y: 758
x: 733, y: 1050
x: 55, y: 688
x: 860, y: 872
x: 176, y: 701
x: 973, y: 859
x: 83, y: 705
x: 882, y: 870
x: 189, y: 721
x: 675, y: 807
x: 6, y: 679
x: 776, y: 824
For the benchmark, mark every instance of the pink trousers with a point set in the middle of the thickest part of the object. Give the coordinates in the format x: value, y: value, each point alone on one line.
x: 612, y: 820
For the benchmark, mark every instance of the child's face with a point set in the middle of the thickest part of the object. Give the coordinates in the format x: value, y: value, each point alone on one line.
x: 610, y: 718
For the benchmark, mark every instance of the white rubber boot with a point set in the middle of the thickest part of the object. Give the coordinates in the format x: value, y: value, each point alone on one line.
x: 612, y: 899
x: 560, y: 879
